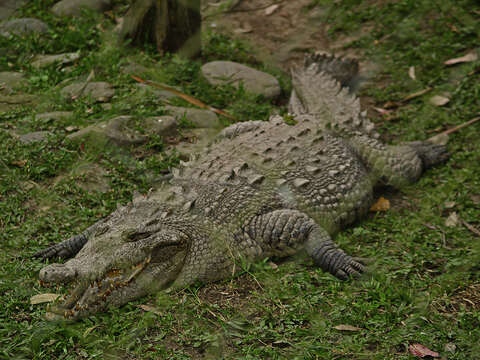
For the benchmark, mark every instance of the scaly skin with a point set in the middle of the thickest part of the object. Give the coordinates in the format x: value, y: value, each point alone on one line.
x: 262, y: 189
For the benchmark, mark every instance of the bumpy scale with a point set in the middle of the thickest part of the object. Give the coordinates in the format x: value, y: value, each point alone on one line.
x: 261, y: 189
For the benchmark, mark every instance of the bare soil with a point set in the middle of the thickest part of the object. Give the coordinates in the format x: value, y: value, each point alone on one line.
x: 281, y: 37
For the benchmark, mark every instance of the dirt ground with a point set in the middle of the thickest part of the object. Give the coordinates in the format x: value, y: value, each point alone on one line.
x: 281, y: 33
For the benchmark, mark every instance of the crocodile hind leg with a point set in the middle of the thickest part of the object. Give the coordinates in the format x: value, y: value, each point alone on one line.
x: 282, y: 232
x: 397, y: 165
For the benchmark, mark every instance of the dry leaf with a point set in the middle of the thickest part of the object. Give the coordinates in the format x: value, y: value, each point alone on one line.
x: 453, y: 28
x: 19, y: 163
x: 150, y: 308
x: 382, y: 204
x: 382, y: 111
x: 416, y: 94
x: 43, y: 298
x: 273, y: 265
x: 411, y: 73
x: 450, y: 347
x: 452, y: 220
x: 391, y: 104
x: 440, y: 139
x: 344, y: 327
x: 470, y: 227
x: 422, y: 351
x: 71, y: 128
x: 449, y: 204
x: 271, y: 9
x: 471, y: 56
x: 53, y: 317
x: 475, y: 198
x: 242, y: 31
x: 438, y: 100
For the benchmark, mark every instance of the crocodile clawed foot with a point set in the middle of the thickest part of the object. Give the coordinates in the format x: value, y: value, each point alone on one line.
x: 349, y: 268
x: 431, y: 154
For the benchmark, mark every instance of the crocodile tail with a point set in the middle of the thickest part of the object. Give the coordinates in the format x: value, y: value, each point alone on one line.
x: 319, y: 89
x: 341, y: 69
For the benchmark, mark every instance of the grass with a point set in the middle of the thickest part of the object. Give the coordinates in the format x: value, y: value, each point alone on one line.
x: 423, y: 286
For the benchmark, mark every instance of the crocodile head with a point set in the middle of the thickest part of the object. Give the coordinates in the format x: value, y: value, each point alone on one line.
x: 135, y: 252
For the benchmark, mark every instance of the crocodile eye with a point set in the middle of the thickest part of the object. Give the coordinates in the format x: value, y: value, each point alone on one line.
x: 132, y: 235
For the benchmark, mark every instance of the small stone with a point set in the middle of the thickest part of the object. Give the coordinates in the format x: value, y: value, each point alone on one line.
x: 200, y: 118
x: 161, y: 125
x: 135, y: 69
x: 76, y: 7
x: 11, y: 79
x: 231, y: 73
x: 54, y: 116
x: 118, y: 130
x: 10, y: 102
x: 23, y: 26
x: 9, y: 7
x: 32, y: 137
x: 41, y: 61
x: 100, y: 91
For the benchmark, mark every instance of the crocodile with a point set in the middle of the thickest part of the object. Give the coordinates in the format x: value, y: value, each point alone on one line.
x: 260, y: 189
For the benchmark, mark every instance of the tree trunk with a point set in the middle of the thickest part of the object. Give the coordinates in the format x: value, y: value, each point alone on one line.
x: 171, y: 25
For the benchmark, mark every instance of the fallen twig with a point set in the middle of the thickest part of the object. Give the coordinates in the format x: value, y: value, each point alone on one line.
x: 470, y: 227
x: 458, y: 127
x: 442, y: 137
x: 185, y: 97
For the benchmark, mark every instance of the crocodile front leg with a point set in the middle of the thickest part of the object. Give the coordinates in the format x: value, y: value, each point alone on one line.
x: 70, y: 247
x: 329, y: 257
x: 283, y: 232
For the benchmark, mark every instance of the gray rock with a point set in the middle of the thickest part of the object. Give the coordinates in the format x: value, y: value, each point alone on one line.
x: 100, y: 91
x: 254, y: 81
x: 134, y: 69
x: 34, y: 137
x: 24, y: 26
x: 9, y: 7
x: 11, y: 79
x: 117, y: 130
x: 9, y: 102
x: 160, y: 125
x: 75, y: 7
x: 41, y: 61
x: 200, y: 118
x: 54, y: 115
